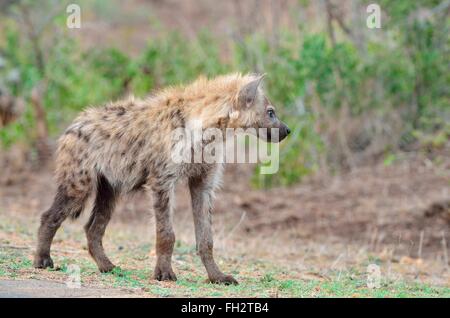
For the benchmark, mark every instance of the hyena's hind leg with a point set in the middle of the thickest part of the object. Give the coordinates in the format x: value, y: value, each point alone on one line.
x: 62, y: 207
x: 95, y: 228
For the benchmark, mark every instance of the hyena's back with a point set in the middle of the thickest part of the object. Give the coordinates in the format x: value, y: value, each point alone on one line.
x: 120, y: 142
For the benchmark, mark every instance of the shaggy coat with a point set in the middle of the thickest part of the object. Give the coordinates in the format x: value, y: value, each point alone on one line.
x: 126, y: 146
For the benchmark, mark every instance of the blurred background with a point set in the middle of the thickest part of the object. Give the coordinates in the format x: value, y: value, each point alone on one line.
x: 365, y: 174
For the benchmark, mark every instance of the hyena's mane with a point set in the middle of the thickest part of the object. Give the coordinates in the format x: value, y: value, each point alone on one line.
x: 208, y: 100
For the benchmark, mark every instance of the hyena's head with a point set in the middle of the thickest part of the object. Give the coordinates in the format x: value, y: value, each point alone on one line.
x: 253, y: 109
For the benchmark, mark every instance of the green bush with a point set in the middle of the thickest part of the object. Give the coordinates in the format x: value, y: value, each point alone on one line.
x: 405, y: 70
x: 172, y: 60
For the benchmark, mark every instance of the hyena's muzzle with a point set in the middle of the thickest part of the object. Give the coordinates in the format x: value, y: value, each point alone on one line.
x: 274, y: 133
x: 283, y: 131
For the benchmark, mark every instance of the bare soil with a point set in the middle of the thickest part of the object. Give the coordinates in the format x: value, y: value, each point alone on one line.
x: 397, y: 215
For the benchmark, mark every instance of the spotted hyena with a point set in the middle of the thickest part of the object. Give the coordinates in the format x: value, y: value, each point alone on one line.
x: 126, y: 146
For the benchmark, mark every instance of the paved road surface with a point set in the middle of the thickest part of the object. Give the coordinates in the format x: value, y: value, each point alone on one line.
x: 49, y: 289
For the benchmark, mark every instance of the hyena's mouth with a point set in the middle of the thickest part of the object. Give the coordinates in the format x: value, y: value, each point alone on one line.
x: 274, y: 135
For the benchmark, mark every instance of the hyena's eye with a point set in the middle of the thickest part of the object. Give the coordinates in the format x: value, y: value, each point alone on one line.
x: 271, y: 113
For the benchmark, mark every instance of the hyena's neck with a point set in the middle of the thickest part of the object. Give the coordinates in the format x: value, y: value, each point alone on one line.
x: 208, y: 101
x: 209, y: 111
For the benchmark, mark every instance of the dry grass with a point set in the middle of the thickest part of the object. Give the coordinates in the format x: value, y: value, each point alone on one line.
x: 133, y: 251
x: 286, y: 242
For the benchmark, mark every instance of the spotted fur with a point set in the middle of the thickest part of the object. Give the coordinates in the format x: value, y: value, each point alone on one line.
x: 125, y: 146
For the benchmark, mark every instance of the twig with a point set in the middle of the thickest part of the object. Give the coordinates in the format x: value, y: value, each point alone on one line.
x: 43, y: 147
x: 234, y: 228
x: 444, y: 247
x: 420, y: 244
x: 34, y: 38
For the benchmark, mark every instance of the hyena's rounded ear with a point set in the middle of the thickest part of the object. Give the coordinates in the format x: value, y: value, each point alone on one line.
x: 248, y: 93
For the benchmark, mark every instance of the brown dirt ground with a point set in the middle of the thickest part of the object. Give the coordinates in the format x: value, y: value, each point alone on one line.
x: 398, y: 214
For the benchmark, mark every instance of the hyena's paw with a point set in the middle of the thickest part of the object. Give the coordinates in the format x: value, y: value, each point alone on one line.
x: 42, y: 262
x: 164, y: 273
x: 224, y: 279
x: 106, y: 267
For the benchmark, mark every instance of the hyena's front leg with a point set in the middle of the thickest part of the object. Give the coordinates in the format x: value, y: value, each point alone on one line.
x: 165, y: 236
x: 201, y: 193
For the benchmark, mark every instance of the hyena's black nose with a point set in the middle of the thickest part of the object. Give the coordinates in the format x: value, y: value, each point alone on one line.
x: 288, y: 131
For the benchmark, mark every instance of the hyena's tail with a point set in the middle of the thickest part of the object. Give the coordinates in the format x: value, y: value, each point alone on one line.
x: 73, y: 191
x: 76, y: 179
x: 66, y: 204
x: 76, y: 204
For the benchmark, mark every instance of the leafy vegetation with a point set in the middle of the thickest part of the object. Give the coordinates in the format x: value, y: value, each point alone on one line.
x: 344, y: 98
